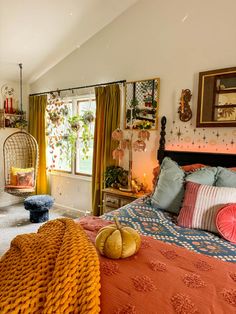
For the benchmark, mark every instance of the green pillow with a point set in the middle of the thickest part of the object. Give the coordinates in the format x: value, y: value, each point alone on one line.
x: 206, y: 175
x: 226, y: 178
x: 169, y: 192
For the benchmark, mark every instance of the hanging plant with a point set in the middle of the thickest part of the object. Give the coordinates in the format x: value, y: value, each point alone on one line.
x: 55, y: 117
x: 74, y: 122
x: 83, y: 122
x: 87, y: 118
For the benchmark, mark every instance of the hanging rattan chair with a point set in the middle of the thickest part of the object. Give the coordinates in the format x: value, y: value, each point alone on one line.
x: 20, y: 153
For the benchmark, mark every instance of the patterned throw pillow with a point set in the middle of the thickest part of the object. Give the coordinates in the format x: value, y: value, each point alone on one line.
x: 201, y: 203
x: 25, y: 179
x: 15, y: 171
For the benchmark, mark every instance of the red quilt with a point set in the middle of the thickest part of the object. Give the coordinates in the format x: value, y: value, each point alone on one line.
x: 163, y: 279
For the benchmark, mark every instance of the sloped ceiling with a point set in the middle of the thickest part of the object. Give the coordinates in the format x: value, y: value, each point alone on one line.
x: 40, y: 33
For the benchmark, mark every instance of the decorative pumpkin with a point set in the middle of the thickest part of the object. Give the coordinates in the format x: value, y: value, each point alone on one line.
x: 116, y: 241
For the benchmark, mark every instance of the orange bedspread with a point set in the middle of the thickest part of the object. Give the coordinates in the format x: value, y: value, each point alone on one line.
x: 164, y: 279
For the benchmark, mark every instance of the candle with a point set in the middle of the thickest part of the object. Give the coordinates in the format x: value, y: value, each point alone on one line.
x: 144, y: 177
x: 11, y: 108
x: 6, y: 109
x: 144, y: 182
x: 131, y: 118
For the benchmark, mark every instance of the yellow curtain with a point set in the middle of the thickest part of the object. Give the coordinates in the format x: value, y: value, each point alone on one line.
x: 107, y: 120
x: 37, y: 125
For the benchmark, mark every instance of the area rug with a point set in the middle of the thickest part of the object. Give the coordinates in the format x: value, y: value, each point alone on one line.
x: 14, y: 220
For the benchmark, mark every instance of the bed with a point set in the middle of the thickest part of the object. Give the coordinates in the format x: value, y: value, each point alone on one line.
x: 177, y: 270
x: 161, y: 225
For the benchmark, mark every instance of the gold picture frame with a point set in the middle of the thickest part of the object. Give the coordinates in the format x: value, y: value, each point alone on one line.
x: 142, y: 104
x: 217, y: 98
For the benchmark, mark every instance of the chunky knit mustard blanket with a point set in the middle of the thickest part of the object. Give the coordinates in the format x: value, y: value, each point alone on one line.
x: 53, y: 271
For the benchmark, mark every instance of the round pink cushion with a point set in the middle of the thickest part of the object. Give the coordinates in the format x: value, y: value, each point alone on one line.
x: 226, y: 222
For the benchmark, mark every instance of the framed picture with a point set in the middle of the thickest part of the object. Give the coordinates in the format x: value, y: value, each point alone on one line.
x: 141, y: 104
x: 217, y: 98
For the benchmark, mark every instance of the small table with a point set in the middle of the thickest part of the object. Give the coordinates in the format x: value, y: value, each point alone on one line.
x: 114, y: 198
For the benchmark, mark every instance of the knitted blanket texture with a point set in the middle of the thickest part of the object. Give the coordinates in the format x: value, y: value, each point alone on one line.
x: 53, y: 271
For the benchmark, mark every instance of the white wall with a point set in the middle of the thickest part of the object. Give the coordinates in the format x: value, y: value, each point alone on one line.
x: 71, y: 192
x: 173, y: 40
x: 7, y: 199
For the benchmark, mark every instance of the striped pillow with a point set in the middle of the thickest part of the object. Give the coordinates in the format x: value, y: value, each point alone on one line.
x: 201, y: 203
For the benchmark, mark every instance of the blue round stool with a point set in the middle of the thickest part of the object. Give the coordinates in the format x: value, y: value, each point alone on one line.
x: 39, y: 206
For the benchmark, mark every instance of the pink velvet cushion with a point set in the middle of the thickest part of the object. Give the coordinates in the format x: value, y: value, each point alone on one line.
x: 226, y: 222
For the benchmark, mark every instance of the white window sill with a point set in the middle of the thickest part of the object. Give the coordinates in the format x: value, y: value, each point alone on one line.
x: 70, y: 175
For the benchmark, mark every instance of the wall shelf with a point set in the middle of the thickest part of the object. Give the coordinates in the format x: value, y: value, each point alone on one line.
x: 7, y: 120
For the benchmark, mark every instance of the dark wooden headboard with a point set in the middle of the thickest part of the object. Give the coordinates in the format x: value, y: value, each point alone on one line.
x: 187, y: 158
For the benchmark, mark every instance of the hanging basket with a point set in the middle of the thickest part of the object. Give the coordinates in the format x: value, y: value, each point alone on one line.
x: 20, y: 152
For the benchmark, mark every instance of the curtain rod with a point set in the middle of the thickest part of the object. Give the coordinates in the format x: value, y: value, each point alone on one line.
x: 78, y: 87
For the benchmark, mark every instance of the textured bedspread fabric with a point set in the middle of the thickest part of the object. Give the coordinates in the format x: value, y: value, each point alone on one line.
x: 164, y: 278
x: 162, y: 226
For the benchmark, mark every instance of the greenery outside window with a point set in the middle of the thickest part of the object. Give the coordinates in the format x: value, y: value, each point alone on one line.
x: 70, y: 133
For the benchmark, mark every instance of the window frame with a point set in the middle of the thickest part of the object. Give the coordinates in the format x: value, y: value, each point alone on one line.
x: 74, y: 100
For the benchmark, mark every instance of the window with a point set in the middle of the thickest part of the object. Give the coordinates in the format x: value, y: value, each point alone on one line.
x: 70, y: 133
x: 84, y: 157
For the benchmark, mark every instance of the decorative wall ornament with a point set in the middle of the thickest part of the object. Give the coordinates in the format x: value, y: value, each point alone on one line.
x: 184, y: 110
x: 142, y: 103
x: 126, y: 141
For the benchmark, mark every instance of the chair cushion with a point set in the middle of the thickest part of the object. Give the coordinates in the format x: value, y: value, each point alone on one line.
x: 226, y: 222
x: 25, y: 178
x: 15, y: 171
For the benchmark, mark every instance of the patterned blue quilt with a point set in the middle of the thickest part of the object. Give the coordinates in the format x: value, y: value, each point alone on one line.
x: 161, y: 226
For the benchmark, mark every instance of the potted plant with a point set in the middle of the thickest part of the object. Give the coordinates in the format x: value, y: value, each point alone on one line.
x: 116, y: 177
x: 20, y: 123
